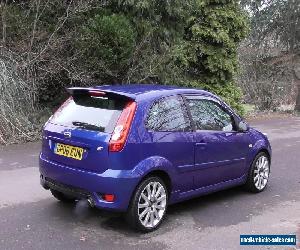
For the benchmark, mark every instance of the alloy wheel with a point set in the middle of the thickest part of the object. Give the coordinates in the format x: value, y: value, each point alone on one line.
x: 261, y: 172
x: 152, y: 204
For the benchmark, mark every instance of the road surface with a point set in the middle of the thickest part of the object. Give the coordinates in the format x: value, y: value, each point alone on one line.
x: 31, y: 219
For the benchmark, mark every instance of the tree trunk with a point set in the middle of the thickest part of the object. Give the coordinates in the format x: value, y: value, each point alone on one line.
x: 297, y: 107
x: 297, y: 82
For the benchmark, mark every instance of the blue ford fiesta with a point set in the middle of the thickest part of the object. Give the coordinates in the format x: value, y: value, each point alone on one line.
x: 139, y: 148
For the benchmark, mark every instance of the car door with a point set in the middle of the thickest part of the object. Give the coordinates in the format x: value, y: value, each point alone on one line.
x: 220, y: 150
x: 172, y: 138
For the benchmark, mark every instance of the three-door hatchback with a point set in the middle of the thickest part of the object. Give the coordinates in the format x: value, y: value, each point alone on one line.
x: 139, y: 148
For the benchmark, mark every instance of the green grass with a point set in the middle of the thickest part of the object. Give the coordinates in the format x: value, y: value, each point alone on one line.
x: 249, y: 108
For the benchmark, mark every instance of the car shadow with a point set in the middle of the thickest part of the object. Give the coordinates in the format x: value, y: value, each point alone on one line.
x: 223, y: 208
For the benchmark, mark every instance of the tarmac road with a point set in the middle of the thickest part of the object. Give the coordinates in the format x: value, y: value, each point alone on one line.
x: 30, y: 218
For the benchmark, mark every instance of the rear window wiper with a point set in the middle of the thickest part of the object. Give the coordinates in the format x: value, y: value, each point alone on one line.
x: 88, y: 126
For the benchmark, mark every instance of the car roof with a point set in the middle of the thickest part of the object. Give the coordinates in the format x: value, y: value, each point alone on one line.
x: 145, y: 91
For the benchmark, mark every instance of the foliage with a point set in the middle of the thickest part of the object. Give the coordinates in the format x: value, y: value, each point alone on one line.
x: 158, y: 25
x: 107, y: 43
x: 271, y: 54
x: 164, y: 19
x: 212, y: 36
x: 230, y: 93
x: 275, y: 23
x: 56, y: 44
x: 267, y: 85
x: 208, y: 51
x: 16, y: 104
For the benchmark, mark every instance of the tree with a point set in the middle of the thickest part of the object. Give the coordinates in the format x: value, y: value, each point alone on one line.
x: 276, y: 33
x: 209, y: 52
x: 158, y: 25
x: 57, y: 44
x: 107, y: 43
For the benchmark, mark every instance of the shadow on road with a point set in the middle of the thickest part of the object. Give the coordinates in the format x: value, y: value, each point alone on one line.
x: 224, y: 208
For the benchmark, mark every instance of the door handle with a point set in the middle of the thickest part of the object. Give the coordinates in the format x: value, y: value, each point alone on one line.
x: 202, y: 143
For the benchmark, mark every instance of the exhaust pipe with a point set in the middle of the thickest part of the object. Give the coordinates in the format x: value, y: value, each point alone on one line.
x: 91, y: 202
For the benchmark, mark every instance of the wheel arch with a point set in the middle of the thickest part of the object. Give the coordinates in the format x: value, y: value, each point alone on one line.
x: 264, y: 146
x: 255, y: 153
x: 161, y: 174
x: 132, y: 209
x: 155, y: 166
x: 266, y: 151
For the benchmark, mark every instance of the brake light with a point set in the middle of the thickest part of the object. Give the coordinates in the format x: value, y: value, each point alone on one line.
x: 95, y: 93
x: 121, y: 130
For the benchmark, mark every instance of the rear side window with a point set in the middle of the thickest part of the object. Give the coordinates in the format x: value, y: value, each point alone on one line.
x: 208, y: 115
x: 90, y: 112
x: 168, y: 114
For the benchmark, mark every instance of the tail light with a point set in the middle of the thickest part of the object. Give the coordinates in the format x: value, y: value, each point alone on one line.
x: 119, y: 136
x: 108, y: 197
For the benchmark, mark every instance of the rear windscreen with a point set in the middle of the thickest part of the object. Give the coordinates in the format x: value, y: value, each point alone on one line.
x: 90, y: 112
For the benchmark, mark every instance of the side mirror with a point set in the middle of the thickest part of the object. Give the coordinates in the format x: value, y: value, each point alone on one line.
x: 243, y: 126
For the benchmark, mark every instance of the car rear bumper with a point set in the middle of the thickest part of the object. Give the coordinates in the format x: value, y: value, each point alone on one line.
x: 84, y: 184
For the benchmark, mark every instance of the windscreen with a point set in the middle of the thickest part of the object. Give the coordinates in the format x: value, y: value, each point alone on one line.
x: 98, y: 113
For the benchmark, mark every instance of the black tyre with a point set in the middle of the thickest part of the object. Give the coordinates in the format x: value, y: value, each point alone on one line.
x: 259, y: 173
x: 148, y: 205
x: 61, y: 196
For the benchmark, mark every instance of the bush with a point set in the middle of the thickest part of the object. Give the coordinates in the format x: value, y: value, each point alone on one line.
x: 230, y: 93
x: 266, y: 84
x: 213, y: 34
x: 107, y: 43
x: 82, y: 43
x: 16, y: 103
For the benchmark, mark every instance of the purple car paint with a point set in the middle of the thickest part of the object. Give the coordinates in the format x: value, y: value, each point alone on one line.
x: 189, y: 138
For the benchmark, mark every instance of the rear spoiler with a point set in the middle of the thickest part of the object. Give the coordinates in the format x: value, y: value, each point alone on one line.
x: 99, y: 92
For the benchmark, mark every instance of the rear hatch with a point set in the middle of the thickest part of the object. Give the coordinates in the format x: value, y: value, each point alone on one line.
x: 78, y: 134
